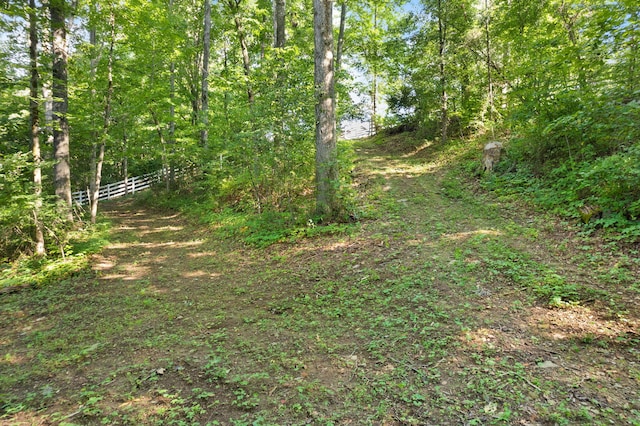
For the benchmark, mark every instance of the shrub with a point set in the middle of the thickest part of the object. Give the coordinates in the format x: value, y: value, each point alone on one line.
x: 17, y: 226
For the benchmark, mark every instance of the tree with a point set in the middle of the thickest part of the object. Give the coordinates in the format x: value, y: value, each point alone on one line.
x: 206, y: 52
x: 235, y: 10
x: 340, y: 44
x: 324, y: 78
x: 442, y: 45
x: 98, y: 158
x: 34, y: 112
x: 62, y: 167
x: 439, y: 75
x: 372, y: 26
x: 279, y: 15
x: 487, y: 33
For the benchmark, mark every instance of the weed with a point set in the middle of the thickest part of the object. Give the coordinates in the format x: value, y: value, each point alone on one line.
x: 452, y: 188
x: 245, y: 400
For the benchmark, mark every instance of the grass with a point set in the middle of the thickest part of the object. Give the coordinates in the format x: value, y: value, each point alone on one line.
x: 444, y: 305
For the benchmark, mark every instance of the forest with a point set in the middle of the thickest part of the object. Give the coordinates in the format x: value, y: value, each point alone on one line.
x: 242, y: 109
x: 95, y: 92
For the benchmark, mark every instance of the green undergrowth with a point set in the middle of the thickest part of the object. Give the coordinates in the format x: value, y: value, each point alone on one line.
x: 262, y: 230
x: 592, y: 191
x: 255, y: 229
x: 599, y: 192
x: 72, y: 258
x: 267, y: 225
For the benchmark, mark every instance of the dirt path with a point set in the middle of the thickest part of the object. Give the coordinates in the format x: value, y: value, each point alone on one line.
x: 434, y: 311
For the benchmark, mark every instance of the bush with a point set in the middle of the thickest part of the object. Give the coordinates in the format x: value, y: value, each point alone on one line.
x: 613, y: 183
x: 17, y: 226
x: 609, y: 184
x: 577, y: 128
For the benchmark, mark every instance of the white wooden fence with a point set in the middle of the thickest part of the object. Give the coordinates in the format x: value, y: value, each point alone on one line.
x: 124, y: 187
x: 356, y: 129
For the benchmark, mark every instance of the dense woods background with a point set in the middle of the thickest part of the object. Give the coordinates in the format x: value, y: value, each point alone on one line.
x: 94, y: 91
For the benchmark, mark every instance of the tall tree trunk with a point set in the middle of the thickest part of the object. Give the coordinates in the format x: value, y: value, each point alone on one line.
x: 195, y: 103
x: 95, y: 59
x: 234, y: 6
x: 245, y: 56
x: 194, y: 80
x: 62, y: 167
x: 490, y: 95
x: 35, y: 128
x: 278, y: 44
x: 324, y: 78
x: 374, y: 81
x: 172, y: 125
x: 442, y: 40
x: 279, y: 34
x: 632, y: 77
x: 225, y: 72
x: 340, y: 47
x: 97, y: 178
x: 163, y: 142
x: 373, y: 128
x: 206, y: 47
x: 125, y: 162
x: 172, y: 114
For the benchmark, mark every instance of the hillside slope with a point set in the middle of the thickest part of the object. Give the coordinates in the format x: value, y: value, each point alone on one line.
x: 443, y: 306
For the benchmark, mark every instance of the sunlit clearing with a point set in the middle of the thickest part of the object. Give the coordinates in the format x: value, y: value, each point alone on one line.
x: 162, y: 229
x: 103, y: 264
x: 173, y: 216
x: 403, y: 169
x: 463, y: 235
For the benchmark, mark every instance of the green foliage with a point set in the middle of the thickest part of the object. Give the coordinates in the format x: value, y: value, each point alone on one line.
x: 14, y: 223
x: 71, y: 259
x: 263, y: 160
x: 613, y: 183
x: 607, y: 185
x: 452, y: 188
x: 262, y: 230
x: 18, y: 200
x: 576, y: 145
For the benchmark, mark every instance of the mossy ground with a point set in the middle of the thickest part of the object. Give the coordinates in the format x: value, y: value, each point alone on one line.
x: 444, y: 305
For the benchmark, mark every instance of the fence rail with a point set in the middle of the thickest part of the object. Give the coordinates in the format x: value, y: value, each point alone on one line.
x: 124, y: 187
x: 355, y: 129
